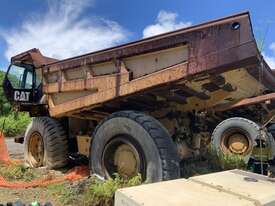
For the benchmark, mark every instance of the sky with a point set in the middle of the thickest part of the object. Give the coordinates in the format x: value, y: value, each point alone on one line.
x: 66, y: 28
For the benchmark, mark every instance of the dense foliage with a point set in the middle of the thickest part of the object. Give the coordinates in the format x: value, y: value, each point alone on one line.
x: 14, y: 124
x: 11, y: 122
x: 5, y: 107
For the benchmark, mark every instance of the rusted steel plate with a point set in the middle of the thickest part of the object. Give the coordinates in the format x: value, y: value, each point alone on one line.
x: 99, y: 83
x: 224, y: 60
x: 156, y: 79
x: 248, y: 101
x: 202, y: 39
x: 34, y: 57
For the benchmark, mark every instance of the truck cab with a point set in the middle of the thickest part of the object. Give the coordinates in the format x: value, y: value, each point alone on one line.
x: 22, y: 85
x: 23, y: 81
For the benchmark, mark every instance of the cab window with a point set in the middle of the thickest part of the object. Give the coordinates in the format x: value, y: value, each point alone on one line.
x: 21, y: 77
x: 29, y: 78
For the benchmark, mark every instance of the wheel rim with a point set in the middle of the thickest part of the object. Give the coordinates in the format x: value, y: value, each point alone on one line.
x: 236, y: 141
x: 36, y: 149
x: 123, y: 157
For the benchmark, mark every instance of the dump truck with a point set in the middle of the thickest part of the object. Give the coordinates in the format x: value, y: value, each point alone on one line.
x: 145, y: 106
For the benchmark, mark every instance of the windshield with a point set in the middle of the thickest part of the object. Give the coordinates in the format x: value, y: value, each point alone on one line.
x: 21, y: 77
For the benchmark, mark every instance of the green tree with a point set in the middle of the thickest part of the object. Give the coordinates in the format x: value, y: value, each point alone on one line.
x: 12, y: 123
x: 5, y: 107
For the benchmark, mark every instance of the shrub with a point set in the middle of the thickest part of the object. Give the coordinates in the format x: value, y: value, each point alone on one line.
x: 14, y: 123
x: 102, y: 193
x: 220, y: 162
x: 16, y: 172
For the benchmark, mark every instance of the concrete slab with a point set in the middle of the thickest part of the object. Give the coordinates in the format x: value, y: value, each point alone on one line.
x: 228, y: 188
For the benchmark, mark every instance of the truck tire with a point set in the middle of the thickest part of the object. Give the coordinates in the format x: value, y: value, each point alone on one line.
x: 129, y: 143
x: 236, y: 136
x: 46, y: 144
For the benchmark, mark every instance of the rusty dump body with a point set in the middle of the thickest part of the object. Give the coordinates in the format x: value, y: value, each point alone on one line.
x: 211, y: 66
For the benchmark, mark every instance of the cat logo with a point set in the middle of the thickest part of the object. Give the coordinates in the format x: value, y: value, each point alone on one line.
x: 21, y: 96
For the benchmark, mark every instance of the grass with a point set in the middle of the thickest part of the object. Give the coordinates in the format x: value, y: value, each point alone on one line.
x: 92, y: 192
x: 102, y: 193
x: 220, y: 162
x: 16, y: 172
x: 64, y: 193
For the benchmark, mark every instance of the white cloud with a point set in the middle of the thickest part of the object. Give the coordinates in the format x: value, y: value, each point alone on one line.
x: 63, y: 31
x: 166, y: 21
x: 272, y: 47
x: 270, y: 59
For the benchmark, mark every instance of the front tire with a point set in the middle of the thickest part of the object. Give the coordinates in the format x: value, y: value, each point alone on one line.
x: 46, y: 144
x: 129, y: 143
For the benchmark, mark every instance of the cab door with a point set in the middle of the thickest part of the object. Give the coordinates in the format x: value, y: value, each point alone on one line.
x: 20, y: 84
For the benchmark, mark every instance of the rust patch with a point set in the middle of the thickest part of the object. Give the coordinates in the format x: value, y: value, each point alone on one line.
x: 156, y: 79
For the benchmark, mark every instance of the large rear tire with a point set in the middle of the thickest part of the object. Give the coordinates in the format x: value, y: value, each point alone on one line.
x: 129, y: 143
x: 46, y: 144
